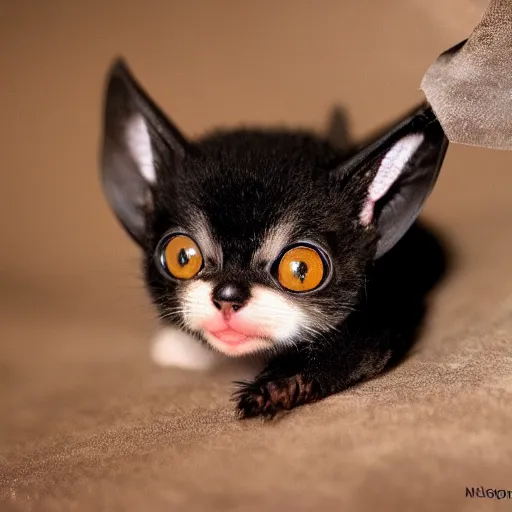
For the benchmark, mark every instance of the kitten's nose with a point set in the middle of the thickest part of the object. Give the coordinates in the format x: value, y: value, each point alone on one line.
x: 229, y: 297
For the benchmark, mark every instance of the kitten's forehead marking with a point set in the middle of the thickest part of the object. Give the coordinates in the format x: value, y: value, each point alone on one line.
x: 275, y: 239
x: 203, y: 235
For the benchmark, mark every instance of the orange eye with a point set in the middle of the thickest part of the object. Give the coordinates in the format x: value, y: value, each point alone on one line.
x: 182, y: 257
x: 301, y: 269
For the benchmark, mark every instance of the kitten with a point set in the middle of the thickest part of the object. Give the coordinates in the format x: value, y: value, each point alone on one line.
x: 273, y: 241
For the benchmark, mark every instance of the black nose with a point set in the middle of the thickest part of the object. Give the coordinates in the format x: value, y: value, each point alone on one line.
x: 230, y: 296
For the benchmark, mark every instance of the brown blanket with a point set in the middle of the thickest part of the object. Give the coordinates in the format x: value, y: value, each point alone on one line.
x: 87, y: 423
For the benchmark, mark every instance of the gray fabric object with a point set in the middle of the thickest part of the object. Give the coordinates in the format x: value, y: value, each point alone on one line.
x: 470, y: 85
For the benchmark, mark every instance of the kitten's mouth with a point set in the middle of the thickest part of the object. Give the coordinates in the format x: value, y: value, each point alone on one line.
x: 235, y: 343
x: 231, y: 337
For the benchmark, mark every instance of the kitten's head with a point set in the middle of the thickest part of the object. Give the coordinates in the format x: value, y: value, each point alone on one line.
x: 256, y: 240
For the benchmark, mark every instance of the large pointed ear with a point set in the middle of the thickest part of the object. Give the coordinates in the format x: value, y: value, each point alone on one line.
x: 397, y: 171
x: 139, y: 142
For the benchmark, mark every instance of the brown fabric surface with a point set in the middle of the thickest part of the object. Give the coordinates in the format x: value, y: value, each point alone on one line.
x: 87, y: 423
x: 470, y: 86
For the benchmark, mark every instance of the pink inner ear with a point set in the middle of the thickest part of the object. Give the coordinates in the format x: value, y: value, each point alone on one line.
x: 390, y: 168
x: 139, y: 144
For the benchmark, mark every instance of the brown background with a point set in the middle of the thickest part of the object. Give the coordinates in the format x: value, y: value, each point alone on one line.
x: 207, y: 64
x: 86, y: 420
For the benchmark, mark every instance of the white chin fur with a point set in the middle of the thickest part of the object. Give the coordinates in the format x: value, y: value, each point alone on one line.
x: 172, y: 347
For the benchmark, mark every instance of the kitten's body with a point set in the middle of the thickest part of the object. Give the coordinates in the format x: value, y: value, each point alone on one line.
x: 246, y: 199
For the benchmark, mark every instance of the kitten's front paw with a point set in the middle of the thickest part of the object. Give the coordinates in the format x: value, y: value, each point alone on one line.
x: 267, y: 397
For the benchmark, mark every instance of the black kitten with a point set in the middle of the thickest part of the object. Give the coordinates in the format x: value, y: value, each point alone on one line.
x: 272, y: 240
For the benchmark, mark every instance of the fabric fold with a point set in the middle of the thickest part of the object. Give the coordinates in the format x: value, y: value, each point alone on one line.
x: 470, y: 85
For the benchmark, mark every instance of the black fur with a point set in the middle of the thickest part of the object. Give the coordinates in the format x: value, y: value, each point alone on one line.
x: 374, y: 338
x: 245, y: 182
